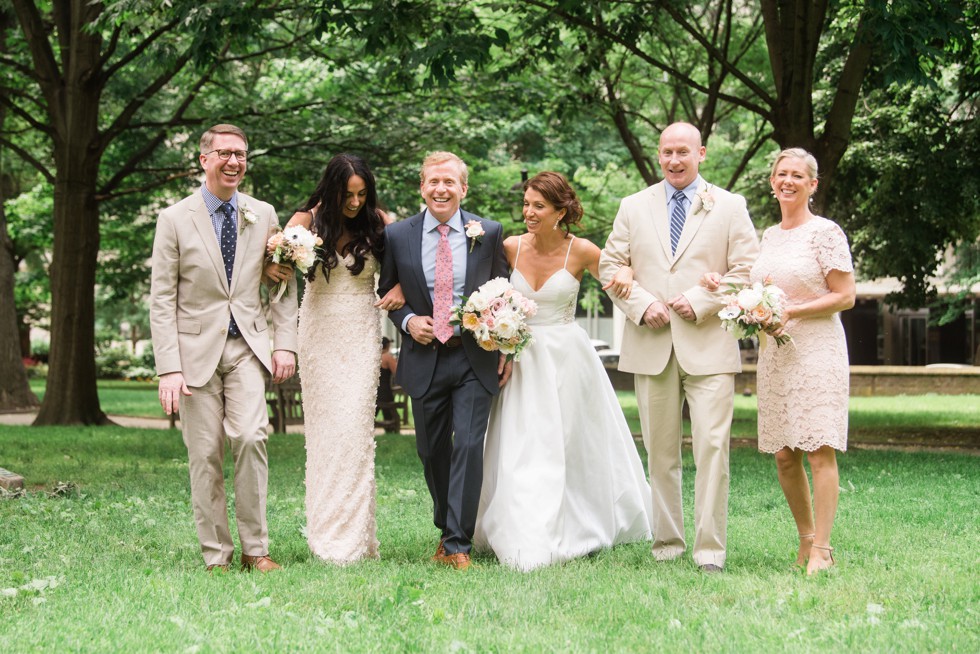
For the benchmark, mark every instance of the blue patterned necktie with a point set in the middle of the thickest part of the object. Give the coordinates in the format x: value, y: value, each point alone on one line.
x: 229, y: 242
x: 677, y: 217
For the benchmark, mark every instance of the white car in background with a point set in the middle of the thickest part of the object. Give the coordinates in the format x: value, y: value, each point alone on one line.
x: 607, y: 355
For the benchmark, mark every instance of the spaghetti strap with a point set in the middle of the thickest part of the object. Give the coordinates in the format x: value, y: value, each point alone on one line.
x: 518, y: 255
x: 568, y: 252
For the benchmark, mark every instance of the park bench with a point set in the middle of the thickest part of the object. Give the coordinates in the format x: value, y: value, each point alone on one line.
x: 399, y: 406
x: 284, y: 402
x: 285, y: 405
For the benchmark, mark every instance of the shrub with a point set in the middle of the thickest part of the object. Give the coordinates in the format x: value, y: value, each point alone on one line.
x: 112, y: 362
x: 40, y: 350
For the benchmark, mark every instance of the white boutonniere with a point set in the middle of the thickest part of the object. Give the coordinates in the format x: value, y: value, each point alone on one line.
x: 246, y: 217
x: 707, y: 200
x: 474, y: 232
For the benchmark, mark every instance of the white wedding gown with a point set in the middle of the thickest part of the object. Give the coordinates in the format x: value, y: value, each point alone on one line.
x: 561, y: 474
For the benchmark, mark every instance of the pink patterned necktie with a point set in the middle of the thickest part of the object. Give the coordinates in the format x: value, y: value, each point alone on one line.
x: 443, y: 288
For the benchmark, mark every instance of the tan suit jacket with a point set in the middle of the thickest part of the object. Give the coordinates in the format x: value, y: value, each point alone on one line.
x: 720, y: 239
x: 191, y: 301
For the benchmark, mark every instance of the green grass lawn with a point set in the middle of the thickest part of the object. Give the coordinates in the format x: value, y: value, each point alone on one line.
x: 916, y: 420
x: 116, y: 567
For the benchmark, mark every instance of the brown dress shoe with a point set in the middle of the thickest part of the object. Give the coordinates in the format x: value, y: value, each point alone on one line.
x: 218, y: 567
x: 459, y: 561
x: 260, y: 563
x: 440, y: 555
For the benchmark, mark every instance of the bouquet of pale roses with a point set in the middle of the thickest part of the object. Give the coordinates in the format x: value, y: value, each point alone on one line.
x: 497, y: 316
x: 294, y: 245
x: 753, y: 308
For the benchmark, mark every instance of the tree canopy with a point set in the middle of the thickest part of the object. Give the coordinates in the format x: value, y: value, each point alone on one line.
x: 101, y: 105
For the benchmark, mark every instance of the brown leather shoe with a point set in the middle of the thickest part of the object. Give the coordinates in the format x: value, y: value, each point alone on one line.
x: 260, y: 563
x: 458, y: 561
x: 218, y: 567
x: 440, y: 555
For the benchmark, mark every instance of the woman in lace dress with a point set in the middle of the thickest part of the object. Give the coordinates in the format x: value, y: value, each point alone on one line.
x: 803, y: 386
x: 562, y: 477
x: 339, y: 360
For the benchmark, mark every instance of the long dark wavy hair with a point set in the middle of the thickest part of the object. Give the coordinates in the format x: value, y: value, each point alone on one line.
x: 329, y: 222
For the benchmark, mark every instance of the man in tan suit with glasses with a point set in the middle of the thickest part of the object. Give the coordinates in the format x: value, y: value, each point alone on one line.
x: 670, y: 234
x: 211, y: 342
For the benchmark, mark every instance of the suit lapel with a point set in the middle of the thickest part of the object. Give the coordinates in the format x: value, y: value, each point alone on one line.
x: 205, y: 230
x: 472, y: 255
x: 415, y: 251
x: 244, y: 238
x: 661, y: 220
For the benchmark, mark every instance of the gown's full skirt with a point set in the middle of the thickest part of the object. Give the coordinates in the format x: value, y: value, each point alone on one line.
x: 562, y: 476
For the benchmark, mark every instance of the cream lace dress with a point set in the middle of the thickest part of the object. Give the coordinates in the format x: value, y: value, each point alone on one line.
x: 339, y: 364
x: 803, y: 385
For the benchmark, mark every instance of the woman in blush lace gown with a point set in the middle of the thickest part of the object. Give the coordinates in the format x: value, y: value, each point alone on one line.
x: 339, y: 360
x: 562, y: 477
x: 803, y: 385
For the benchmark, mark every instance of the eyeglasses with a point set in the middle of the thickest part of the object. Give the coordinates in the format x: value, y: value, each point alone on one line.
x: 225, y: 155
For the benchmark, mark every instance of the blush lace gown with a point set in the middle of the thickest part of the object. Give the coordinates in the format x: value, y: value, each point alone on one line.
x: 803, y: 385
x: 561, y: 474
x: 339, y: 364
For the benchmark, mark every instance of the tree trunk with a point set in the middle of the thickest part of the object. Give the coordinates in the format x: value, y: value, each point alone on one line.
x: 15, y: 391
x: 71, y: 396
x: 72, y: 95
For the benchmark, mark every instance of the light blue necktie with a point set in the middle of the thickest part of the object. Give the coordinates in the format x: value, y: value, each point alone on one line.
x: 677, y: 218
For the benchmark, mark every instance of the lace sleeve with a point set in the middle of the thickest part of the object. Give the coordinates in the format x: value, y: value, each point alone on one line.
x: 832, y: 250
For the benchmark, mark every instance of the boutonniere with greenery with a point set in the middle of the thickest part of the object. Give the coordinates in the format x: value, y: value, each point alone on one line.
x: 707, y: 200
x: 246, y: 217
x: 474, y: 232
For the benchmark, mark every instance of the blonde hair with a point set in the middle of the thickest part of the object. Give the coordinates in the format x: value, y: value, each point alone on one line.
x: 441, y: 157
x: 796, y: 153
x: 208, y: 137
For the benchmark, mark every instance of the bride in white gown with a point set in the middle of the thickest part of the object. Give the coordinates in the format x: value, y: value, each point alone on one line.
x: 562, y: 477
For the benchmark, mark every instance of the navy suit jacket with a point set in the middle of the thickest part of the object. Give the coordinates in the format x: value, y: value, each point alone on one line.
x: 402, y: 263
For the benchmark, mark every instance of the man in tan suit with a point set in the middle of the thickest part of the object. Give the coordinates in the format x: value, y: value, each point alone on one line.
x: 212, y: 344
x: 670, y: 234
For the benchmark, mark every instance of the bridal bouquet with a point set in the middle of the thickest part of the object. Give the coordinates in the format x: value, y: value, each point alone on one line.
x: 497, y: 316
x: 295, y: 245
x: 753, y: 308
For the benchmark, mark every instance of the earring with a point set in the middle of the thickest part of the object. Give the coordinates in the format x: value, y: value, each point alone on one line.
x: 558, y: 222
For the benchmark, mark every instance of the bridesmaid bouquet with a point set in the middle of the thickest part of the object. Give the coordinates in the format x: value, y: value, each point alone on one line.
x: 497, y: 316
x: 295, y: 245
x: 753, y: 308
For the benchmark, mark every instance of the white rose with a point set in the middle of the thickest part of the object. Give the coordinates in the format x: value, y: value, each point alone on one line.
x: 749, y: 298
x: 474, y: 229
x: 507, y: 325
x: 495, y: 287
x: 477, y: 302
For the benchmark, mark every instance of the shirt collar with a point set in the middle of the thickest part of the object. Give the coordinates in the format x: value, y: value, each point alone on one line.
x: 429, y: 222
x: 688, y: 190
x: 212, y: 201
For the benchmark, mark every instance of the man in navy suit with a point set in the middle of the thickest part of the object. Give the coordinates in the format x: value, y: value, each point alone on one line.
x: 450, y: 379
